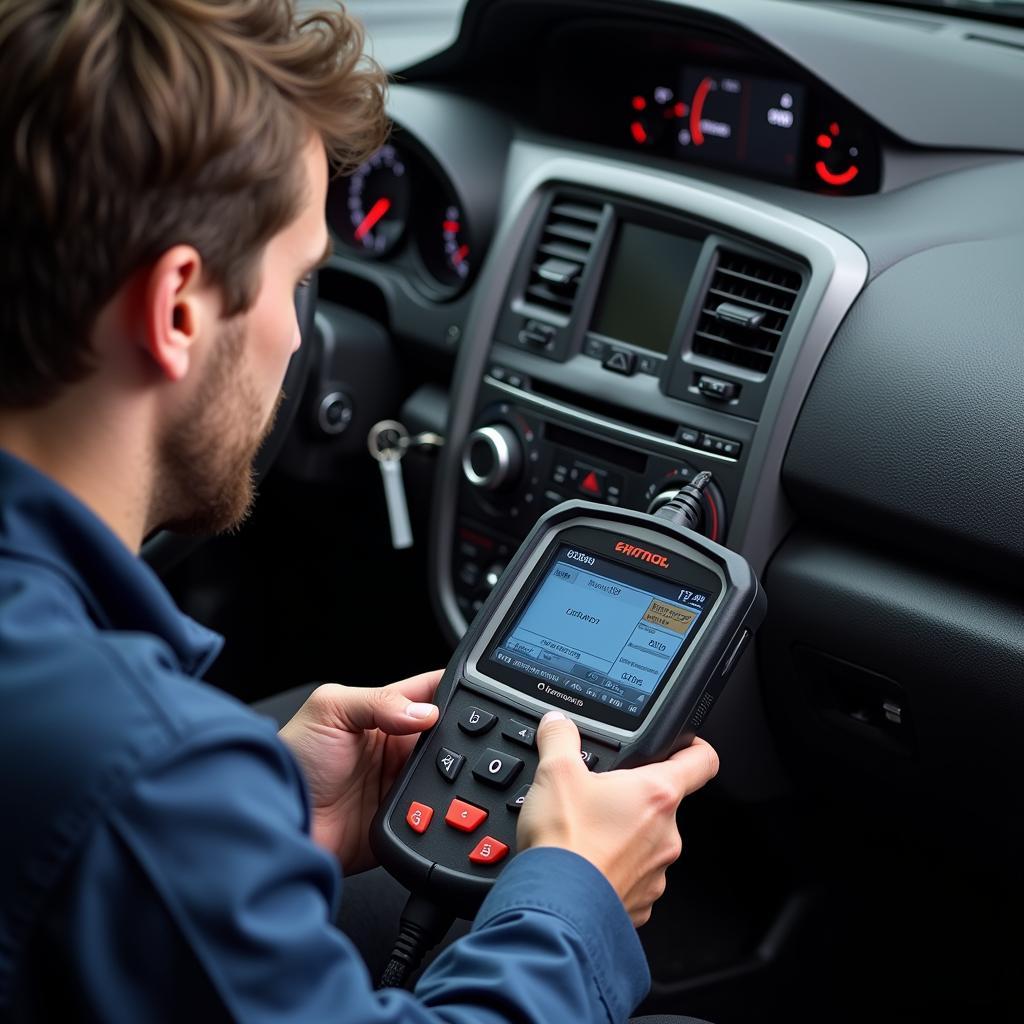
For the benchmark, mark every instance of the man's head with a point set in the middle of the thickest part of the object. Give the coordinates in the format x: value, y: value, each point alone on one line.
x: 162, y: 186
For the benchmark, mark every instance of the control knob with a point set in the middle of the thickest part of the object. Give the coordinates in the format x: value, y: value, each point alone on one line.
x: 493, y: 457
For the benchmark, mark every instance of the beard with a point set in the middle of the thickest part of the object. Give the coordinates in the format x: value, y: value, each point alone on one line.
x: 206, y: 482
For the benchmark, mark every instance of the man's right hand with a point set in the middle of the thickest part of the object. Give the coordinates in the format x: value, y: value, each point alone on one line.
x: 623, y: 822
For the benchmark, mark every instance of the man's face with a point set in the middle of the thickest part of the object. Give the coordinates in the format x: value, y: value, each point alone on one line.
x: 207, y: 454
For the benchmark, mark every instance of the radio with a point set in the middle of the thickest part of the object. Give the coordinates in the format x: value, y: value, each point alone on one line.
x: 628, y: 622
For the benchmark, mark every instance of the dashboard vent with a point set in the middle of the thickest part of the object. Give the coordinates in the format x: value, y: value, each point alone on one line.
x: 745, y: 311
x: 562, y: 255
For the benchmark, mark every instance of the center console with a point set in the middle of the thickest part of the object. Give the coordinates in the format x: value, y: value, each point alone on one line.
x: 631, y: 326
x: 635, y: 347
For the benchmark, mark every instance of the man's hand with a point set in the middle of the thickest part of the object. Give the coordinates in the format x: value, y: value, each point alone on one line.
x: 623, y: 822
x: 352, y: 743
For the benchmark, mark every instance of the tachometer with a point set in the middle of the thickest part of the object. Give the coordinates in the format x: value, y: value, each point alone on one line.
x: 371, y: 212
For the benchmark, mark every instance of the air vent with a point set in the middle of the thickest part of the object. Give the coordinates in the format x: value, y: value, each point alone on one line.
x: 561, y: 257
x: 745, y: 311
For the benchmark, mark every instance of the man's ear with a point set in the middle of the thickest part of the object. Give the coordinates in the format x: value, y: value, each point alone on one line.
x: 177, y: 309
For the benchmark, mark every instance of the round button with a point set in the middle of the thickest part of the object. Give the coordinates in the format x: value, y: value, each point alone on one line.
x: 335, y: 413
x: 493, y: 457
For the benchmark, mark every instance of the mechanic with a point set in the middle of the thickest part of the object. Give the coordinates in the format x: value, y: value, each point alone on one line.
x: 165, y: 853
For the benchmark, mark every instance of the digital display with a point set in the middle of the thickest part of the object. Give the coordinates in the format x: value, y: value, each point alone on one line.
x: 600, y: 630
x: 648, y: 272
x: 738, y: 120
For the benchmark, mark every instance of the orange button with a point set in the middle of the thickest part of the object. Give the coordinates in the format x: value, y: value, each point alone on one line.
x: 418, y: 817
x: 488, y: 851
x: 465, y: 817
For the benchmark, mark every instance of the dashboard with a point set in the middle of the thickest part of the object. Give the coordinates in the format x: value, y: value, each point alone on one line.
x: 702, y: 98
x: 774, y: 240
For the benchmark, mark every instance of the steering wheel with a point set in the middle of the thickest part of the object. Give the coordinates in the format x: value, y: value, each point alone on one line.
x: 165, y: 549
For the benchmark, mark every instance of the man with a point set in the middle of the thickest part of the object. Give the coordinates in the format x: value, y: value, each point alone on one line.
x: 163, y: 177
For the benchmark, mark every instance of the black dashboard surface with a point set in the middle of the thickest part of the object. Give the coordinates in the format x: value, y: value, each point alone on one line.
x: 912, y: 430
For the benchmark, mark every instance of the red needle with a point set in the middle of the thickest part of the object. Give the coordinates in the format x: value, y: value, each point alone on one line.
x: 697, y: 110
x: 460, y: 254
x: 377, y: 211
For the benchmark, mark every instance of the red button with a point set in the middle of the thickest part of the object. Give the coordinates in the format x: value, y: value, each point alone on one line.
x: 590, y: 484
x: 465, y: 817
x: 488, y: 851
x: 418, y: 817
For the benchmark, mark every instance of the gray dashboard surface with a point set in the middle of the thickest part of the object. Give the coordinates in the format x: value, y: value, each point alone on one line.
x: 931, y: 80
x: 913, y: 427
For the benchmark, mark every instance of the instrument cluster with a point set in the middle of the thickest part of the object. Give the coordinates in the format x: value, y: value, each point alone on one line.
x: 702, y: 100
x: 397, y: 206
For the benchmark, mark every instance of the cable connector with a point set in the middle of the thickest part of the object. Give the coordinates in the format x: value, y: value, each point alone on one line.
x: 687, y: 507
x: 424, y: 925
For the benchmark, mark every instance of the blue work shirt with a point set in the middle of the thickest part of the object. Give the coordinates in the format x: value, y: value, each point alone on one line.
x: 156, y: 862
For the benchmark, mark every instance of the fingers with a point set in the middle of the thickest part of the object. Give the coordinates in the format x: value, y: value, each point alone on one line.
x: 419, y: 688
x: 558, y: 739
x: 691, y: 768
x: 399, y: 709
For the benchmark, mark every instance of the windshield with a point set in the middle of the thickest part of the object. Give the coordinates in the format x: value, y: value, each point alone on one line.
x: 402, y: 32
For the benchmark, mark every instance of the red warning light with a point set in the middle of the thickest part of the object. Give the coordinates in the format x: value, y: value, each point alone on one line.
x: 680, y: 109
x: 638, y: 132
x: 834, y: 127
x: 842, y: 178
x: 639, y: 103
x: 825, y: 141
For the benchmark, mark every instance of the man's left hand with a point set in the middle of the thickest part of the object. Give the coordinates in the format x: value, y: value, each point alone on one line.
x: 351, y: 743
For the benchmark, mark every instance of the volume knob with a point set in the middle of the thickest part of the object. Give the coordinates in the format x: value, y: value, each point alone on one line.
x: 493, y: 457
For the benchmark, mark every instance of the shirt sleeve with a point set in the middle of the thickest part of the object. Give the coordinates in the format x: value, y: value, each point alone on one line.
x: 201, y: 895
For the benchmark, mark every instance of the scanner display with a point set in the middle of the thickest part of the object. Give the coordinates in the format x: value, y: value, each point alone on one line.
x: 600, y: 630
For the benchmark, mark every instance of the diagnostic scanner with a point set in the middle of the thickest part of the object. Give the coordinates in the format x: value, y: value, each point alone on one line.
x: 628, y: 623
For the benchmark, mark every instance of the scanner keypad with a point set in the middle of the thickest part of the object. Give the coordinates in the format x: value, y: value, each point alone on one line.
x: 499, y: 742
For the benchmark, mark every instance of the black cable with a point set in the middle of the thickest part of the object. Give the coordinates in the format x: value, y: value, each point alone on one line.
x: 424, y: 925
x: 687, y: 507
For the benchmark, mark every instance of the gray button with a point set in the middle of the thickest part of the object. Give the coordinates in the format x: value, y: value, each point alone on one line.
x: 449, y: 763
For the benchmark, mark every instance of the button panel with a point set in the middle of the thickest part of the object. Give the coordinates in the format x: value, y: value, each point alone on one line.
x: 478, y: 784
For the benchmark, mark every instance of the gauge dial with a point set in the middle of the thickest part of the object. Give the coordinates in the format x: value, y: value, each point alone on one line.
x: 444, y: 244
x: 376, y: 204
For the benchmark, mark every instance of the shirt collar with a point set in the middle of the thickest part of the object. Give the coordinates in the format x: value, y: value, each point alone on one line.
x: 42, y: 522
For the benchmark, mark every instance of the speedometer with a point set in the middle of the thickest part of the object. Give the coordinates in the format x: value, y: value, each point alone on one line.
x: 371, y: 213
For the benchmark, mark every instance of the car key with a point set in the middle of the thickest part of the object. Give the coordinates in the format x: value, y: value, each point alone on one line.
x: 388, y: 442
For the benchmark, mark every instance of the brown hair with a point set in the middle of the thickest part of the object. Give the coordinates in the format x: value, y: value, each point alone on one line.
x: 130, y: 126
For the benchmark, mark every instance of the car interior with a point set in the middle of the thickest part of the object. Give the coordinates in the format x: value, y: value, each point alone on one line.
x: 613, y: 244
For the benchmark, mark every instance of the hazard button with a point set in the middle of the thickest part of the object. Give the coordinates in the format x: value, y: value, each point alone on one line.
x: 488, y: 851
x: 591, y: 484
x: 620, y: 361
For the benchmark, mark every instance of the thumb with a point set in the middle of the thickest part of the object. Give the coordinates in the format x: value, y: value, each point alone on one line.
x: 383, y: 707
x: 558, y: 738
